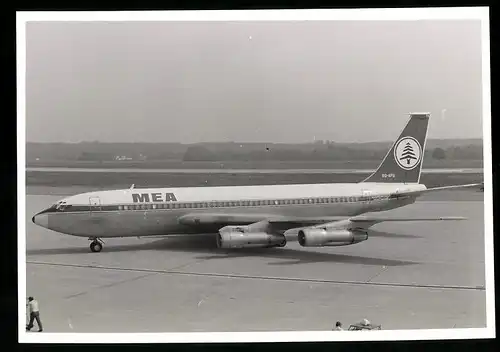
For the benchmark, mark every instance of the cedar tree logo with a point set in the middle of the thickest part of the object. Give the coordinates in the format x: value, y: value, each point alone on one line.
x: 407, y: 153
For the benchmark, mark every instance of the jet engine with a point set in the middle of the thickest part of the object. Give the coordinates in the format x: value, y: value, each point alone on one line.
x: 237, y: 238
x: 318, y: 237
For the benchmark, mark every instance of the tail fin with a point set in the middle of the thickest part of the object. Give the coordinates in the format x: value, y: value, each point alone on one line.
x: 403, y: 162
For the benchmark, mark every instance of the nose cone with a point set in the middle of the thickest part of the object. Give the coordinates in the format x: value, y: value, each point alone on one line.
x: 41, y: 220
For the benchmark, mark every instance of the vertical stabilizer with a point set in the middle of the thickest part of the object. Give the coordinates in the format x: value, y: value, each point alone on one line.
x: 403, y: 162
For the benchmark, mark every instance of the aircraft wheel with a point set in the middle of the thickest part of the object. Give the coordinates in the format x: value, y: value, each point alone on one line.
x: 95, y: 247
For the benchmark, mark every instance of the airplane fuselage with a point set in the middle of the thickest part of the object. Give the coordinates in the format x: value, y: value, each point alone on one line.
x: 160, y: 211
x: 261, y: 216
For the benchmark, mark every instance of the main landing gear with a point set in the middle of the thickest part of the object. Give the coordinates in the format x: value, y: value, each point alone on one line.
x: 96, y: 244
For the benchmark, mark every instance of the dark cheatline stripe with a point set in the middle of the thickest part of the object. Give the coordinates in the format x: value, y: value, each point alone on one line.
x: 210, y: 204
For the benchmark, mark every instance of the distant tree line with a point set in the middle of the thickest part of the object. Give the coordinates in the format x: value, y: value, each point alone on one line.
x: 201, y: 153
x: 231, y: 151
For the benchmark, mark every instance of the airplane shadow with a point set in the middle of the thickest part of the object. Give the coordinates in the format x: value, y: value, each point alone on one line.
x: 298, y: 256
x: 208, y: 250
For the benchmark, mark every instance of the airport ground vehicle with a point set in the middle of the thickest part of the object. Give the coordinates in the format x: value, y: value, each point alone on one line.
x: 360, y: 326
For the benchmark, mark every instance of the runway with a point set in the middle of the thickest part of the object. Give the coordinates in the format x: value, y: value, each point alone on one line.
x: 417, y: 275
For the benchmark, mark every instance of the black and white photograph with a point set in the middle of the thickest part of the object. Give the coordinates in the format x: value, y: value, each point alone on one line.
x: 278, y: 175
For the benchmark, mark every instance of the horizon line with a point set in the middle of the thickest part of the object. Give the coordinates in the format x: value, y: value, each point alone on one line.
x: 236, y: 142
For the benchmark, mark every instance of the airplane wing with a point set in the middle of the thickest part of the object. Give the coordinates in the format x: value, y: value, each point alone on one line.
x: 364, y: 222
x: 478, y: 186
x: 240, y: 230
x: 286, y: 223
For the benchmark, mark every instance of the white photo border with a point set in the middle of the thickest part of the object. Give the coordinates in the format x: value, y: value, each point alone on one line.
x: 406, y: 14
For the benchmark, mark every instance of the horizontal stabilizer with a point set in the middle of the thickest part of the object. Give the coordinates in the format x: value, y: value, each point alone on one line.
x: 478, y: 186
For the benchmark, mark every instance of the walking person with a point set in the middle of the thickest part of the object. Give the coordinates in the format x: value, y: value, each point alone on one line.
x: 338, y: 326
x: 34, y: 314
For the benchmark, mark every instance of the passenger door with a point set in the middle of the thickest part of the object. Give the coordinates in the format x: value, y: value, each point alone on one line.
x: 95, y: 204
x: 367, y: 194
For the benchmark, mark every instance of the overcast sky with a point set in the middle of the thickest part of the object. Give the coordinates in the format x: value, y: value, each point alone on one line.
x: 250, y: 81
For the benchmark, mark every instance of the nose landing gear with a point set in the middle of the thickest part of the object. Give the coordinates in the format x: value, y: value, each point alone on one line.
x: 283, y: 243
x: 96, y: 244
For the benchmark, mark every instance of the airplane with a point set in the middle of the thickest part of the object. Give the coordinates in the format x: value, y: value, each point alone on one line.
x: 255, y: 216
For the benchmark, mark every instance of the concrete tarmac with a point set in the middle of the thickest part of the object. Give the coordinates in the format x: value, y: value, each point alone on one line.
x: 406, y: 276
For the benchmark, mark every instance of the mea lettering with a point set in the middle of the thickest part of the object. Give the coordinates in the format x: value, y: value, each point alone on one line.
x: 153, y: 197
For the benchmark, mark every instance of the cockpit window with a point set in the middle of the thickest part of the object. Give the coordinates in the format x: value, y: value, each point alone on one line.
x: 60, y: 206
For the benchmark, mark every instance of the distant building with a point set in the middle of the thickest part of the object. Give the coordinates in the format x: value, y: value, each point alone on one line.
x: 122, y: 157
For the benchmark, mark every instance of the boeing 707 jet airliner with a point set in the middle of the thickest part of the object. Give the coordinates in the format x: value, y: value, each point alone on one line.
x: 255, y: 216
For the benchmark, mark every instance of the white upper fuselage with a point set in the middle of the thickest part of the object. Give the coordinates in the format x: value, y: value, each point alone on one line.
x: 156, y: 211
x: 235, y: 193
